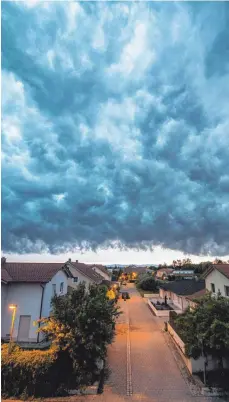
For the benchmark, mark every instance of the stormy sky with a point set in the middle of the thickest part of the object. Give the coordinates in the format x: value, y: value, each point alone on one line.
x: 115, y: 127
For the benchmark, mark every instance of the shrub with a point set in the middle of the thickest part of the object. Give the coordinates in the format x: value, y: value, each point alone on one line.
x: 147, y: 283
x: 33, y: 372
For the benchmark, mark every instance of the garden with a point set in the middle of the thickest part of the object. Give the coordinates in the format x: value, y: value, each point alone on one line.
x: 81, y: 327
x: 205, y: 332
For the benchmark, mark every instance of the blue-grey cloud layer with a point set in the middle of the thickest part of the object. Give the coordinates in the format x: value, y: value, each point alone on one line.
x: 115, y: 121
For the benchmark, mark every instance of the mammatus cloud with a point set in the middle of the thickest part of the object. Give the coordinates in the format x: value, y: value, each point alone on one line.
x: 115, y: 126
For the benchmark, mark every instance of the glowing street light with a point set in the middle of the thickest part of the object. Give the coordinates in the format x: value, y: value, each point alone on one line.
x: 12, y: 307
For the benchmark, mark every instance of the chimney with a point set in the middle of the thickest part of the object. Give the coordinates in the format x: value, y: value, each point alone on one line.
x: 3, y: 260
x: 77, y: 261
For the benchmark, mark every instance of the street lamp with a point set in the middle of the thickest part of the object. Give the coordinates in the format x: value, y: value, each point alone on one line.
x: 12, y: 307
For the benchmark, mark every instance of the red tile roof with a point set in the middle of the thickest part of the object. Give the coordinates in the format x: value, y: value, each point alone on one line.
x: 197, y: 295
x: 29, y: 272
x: 5, y: 276
x: 101, y: 267
x: 223, y: 268
x: 87, y: 270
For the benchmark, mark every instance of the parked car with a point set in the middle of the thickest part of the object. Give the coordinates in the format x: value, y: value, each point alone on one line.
x: 125, y: 295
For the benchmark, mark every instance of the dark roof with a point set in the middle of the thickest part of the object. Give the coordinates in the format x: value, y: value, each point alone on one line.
x: 222, y: 268
x: 31, y: 271
x: 87, y: 270
x: 184, y: 287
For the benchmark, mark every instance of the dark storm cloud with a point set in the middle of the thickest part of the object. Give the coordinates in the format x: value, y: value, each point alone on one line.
x: 115, y: 127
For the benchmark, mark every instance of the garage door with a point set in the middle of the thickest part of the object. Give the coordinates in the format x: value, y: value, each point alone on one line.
x: 24, y: 326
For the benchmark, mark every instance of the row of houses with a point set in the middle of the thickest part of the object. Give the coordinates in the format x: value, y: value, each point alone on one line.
x: 165, y: 273
x: 183, y: 293
x: 29, y: 287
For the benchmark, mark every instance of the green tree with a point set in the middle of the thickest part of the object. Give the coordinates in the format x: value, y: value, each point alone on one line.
x: 205, y: 330
x: 83, y: 324
x: 147, y: 282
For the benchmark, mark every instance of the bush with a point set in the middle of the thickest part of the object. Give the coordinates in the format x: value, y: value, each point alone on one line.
x: 36, y: 373
x: 147, y: 283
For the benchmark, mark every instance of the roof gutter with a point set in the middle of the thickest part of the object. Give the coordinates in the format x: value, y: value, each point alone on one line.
x: 41, y: 306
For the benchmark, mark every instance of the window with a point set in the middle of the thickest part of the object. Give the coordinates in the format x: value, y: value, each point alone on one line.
x: 226, y: 288
x: 54, y: 289
x: 75, y: 279
x: 213, y: 287
x: 61, y: 287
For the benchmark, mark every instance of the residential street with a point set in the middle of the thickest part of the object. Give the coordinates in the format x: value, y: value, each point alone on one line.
x: 154, y: 375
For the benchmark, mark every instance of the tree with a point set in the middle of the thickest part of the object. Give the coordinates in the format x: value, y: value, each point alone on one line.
x: 205, y: 330
x: 82, y: 325
x: 147, y: 282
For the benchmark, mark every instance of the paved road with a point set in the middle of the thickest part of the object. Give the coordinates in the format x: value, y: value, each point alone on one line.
x: 155, y: 375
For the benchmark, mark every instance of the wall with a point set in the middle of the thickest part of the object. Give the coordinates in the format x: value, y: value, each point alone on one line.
x: 218, y: 279
x: 194, y: 365
x: 81, y: 278
x: 103, y: 274
x: 179, y: 301
x: 27, y: 297
x: 4, y: 294
x: 48, y: 291
x: 158, y: 313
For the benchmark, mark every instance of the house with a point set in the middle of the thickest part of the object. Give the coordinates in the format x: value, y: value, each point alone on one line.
x: 30, y: 288
x: 177, y: 292
x: 102, y: 271
x: 217, y: 279
x: 82, y: 273
x: 163, y: 273
x: 135, y: 269
x: 181, y: 273
x: 194, y: 298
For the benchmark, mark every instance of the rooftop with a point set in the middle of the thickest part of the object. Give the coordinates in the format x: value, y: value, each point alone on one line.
x: 223, y: 268
x: 30, y: 272
x: 184, y: 287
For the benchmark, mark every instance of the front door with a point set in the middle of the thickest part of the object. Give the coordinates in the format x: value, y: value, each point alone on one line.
x: 24, y: 327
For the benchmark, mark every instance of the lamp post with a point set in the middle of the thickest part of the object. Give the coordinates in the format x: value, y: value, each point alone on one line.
x: 12, y: 307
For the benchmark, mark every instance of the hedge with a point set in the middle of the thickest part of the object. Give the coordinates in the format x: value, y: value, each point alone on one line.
x: 36, y: 373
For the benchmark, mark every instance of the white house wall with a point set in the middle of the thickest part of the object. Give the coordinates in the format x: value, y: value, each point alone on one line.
x: 4, y: 294
x: 103, y: 274
x: 219, y: 281
x: 48, y: 291
x: 27, y: 297
x: 80, y: 276
x: 178, y: 301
